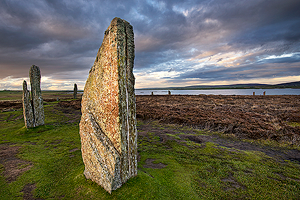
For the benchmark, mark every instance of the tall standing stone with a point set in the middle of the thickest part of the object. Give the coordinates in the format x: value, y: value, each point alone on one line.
x: 37, y: 100
x: 75, y: 91
x: 108, y: 123
x: 27, y: 107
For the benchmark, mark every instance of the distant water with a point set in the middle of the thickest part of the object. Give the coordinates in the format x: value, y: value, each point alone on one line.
x: 286, y: 91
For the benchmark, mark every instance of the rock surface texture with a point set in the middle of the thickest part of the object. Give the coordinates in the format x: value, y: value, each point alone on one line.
x: 27, y: 107
x: 36, y: 94
x: 75, y: 91
x: 33, y: 108
x: 108, y: 123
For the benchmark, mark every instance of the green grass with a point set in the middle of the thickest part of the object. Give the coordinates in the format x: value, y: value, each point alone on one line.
x: 193, y: 171
x: 294, y: 124
x: 11, y: 95
x: 17, y: 94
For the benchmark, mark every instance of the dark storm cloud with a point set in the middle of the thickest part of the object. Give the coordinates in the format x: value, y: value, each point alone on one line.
x: 64, y: 35
x: 242, y: 25
x: 39, y: 33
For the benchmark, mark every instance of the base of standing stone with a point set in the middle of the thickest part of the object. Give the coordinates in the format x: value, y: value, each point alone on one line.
x: 103, y: 166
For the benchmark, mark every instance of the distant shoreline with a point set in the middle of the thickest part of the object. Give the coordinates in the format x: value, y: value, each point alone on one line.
x: 221, y: 88
x: 295, y: 85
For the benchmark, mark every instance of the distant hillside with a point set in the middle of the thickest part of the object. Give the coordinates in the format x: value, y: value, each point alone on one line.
x: 228, y: 86
x: 234, y: 86
x: 291, y: 84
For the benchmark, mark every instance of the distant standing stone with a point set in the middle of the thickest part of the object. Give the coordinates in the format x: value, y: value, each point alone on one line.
x: 37, y: 100
x: 75, y: 91
x: 27, y: 107
x: 108, y: 123
x: 33, y: 108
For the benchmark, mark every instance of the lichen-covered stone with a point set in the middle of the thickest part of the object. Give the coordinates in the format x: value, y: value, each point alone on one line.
x: 36, y: 94
x: 75, y: 91
x: 27, y: 107
x: 108, y: 123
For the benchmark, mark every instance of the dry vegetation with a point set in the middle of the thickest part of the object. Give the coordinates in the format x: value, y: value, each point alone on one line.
x: 256, y: 117
x: 265, y: 117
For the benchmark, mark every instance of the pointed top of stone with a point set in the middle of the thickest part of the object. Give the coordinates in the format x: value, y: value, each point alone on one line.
x: 24, y: 85
x: 75, y: 91
x: 35, y: 79
x: 116, y: 20
x: 34, y: 71
x: 120, y: 23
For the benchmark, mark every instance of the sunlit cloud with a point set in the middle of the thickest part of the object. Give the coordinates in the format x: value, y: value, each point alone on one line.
x: 10, y: 83
x: 47, y: 83
x: 177, y: 43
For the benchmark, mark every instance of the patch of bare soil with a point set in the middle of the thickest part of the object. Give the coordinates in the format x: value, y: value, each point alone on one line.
x: 232, y: 183
x: 76, y: 104
x: 168, y: 133
x: 13, y: 166
x: 6, y: 106
x: 254, y: 117
x: 149, y: 164
x: 71, y: 110
x: 27, y: 191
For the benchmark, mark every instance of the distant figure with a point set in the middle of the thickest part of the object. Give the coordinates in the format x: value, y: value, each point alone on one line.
x: 253, y: 93
x: 264, y: 93
x: 75, y: 91
x: 169, y: 92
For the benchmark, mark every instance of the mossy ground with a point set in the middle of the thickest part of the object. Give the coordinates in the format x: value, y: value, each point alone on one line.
x: 17, y: 94
x: 193, y: 170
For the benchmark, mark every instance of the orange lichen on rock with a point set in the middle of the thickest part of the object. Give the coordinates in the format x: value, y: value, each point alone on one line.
x: 108, y: 123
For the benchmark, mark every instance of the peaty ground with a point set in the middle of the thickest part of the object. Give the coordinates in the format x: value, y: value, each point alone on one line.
x: 176, y: 161
x: 273, y: 117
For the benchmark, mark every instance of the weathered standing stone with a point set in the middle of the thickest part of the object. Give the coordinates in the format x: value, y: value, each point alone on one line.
x: 27, y: 107
x: 75, y: 91
x: 108, y: 123
x: 36, y: 94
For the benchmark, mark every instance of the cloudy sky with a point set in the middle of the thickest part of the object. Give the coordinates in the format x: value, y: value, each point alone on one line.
x: 178, y: 43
